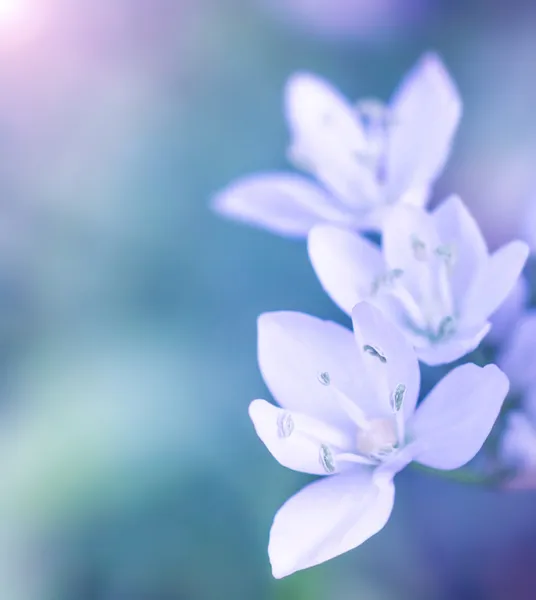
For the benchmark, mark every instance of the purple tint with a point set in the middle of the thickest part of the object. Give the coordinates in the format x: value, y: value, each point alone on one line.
x: 361, y: 18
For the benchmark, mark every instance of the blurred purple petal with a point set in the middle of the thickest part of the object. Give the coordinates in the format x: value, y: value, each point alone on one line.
x: 518, y: 354
x: 506, y: 317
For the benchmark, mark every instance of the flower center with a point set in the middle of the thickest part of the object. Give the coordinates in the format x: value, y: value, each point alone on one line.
x: 379, y: 439
x: 376, y: 121
x: 424, y: 291
x: 376, y: 438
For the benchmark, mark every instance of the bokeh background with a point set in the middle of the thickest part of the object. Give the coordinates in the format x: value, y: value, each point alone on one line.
x: 128, y: 467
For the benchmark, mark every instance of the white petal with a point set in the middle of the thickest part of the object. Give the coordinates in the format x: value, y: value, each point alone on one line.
x: 388, y: 361
x: 409, y: 242
x: 453, y: 348
x: 298, y: 354
x: 457, y: 228
x: 493, y: 283
x: 317, y: 111
x: 327, y: 138
x: 454, y: 420
x: 346, y: 264
x: 426, y: 110
x: 404, y: 225
x: 298, y: 441
x: 505, y: 318
x: 517, y: 357
x: 280, y: 202
x: 327, y: 518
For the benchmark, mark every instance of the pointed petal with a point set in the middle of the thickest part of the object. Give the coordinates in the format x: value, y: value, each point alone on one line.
x: 317, y: 111
x: 346, y: 264
x: 282, y: 203
x: 327, y: 138
x: 297, y: 441
x: 426, y: 110
x: 504, y: 319
x: 458, y: 229
x: 304, y: 361
x: 388, y: 360
x: 454, y: 348
x: 454, y: 420
x: 518, y: 442
x: 493, y: 283
x: 517, y: 356
x: 327, y: 518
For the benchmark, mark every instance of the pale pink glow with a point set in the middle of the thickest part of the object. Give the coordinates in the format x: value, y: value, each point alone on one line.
x: 12, y: 11
x: 20, y: 21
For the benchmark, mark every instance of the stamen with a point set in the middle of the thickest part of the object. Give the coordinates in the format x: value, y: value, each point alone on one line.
x: 285, y: 425
x: 419, y: 248
x: 447, y: 253
x: 355, y: 458
x: 386, y: 280
x: 398, y: 397
x: 374, y: 352
x: 324, y: 378
x: 446, y: 328
x: 374, y: 114
x: 326, y: 459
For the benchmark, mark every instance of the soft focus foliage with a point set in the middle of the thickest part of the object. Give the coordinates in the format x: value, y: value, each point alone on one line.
x: 129, y: 467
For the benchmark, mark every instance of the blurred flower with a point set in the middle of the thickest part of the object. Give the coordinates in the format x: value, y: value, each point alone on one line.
x: 433, y: 277
x: 361, y: 18
x: 528, y: 223
x: 348, y: 411
x: 366, y: 157
x: 518, y: 443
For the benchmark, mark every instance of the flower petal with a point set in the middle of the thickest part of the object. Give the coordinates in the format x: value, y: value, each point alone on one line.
x: 518, y: 442
x: 426, y: 110
x: 346, y: 264
x: 327, y: 518
x: 298, y: 441
x: 458, y: 229
x: 454, y: 420
x: 388, y: 360
x: 327, y: 138
x: 454, y: 348
x: 519, y: 353
x: 409, y: 243
x: 494, y: 282
x: 317, y: 111
x: 283, y: 203
x: 305, y: 361
x: 505, y: 318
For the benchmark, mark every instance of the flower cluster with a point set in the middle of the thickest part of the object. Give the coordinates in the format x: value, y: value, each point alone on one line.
x: 430, y: 291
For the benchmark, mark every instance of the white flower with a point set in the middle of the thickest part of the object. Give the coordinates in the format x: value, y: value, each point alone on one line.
x: 348, y: 412
x: 366, y: 157
x: 433, y: 277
